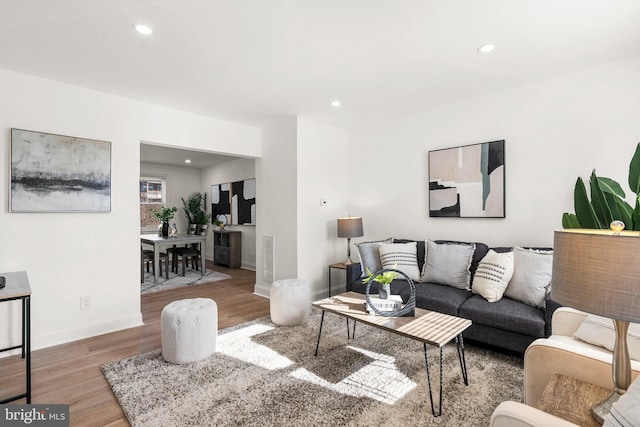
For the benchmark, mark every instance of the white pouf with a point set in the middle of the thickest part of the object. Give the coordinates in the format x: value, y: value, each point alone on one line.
x: 290, y: 302
x: 189, y: 329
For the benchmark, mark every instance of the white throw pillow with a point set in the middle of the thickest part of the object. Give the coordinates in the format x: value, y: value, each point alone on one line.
x: 531, y: 276
x: 493, y: 275
x: 448, y: 264
x: 600, y: 331
x: 626, y: 411
x: 402, y: 257
x: 370, y: 255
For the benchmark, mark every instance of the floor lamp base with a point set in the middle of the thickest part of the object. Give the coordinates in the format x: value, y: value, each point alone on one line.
x: 601, y: 409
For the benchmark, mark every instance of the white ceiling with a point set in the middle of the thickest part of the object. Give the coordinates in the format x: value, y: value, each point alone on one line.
x: 243, y: 58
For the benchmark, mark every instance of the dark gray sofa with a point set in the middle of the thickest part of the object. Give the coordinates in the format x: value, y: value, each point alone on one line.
x: 507, y: 323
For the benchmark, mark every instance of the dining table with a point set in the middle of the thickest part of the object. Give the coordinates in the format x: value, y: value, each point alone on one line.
x: 158, y: 242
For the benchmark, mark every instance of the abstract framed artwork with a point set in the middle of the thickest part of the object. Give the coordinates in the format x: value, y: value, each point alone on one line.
x: 58, y: 173
x: 468, y: 181
x: 234, y: 203
x: 221, y: 203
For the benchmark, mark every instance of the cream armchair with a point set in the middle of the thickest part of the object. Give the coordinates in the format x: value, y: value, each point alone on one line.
x: 563, y: 354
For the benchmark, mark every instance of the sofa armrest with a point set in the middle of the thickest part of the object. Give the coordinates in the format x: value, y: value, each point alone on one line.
x: 354, y: 272
x: 514, y: 414
x: 566, y: 321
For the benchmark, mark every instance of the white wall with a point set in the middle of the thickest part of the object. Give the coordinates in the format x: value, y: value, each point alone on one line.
x: 236, y: 170
x: 555, y: 131
x: 276, y: 182
x: 322, y: 162
x: 68, y: 256
x: 181, y: 182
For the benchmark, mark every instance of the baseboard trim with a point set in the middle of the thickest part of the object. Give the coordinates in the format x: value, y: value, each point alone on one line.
x: 262, y: 290
x: 74, y: 334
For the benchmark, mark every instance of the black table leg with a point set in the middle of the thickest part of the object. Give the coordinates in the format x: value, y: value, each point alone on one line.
x: 463, y: 363
x: 27, y: 320
x: 320, y: 332
x: 426, y: 361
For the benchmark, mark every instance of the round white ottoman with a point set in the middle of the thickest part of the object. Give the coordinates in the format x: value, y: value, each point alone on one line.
x: 188, y: 330
x: 290, y: 303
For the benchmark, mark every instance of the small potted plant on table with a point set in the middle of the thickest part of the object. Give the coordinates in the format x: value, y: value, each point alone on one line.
x: 384, y: 279
x: 164, y: 215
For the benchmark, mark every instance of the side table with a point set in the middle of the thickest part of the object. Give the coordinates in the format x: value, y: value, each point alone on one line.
x: 17, y: 288
x: 339, y: 266
x: 571, y: 399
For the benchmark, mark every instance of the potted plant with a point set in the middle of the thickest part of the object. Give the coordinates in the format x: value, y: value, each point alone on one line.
x: 384, y: 279
x: 195, y: 209
x: 164, y: 215
x: 218, y: 224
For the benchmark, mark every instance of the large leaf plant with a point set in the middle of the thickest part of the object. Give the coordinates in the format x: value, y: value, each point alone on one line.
x: 607, y: 201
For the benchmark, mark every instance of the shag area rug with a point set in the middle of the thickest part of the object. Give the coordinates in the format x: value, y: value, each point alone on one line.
x: 266, y: 375
x: 191, y: 277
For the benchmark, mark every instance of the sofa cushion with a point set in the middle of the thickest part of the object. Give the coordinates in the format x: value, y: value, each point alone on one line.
x: 505, y: 314
x: 448, y: 264
x: 601, y: 331
x: 402, y: 257
x: 370, y: 255
x: 493, y: 275
x: 442, y: 298
x: 531, y: 276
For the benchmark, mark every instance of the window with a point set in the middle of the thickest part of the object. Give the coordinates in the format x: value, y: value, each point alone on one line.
x: 152, y: 197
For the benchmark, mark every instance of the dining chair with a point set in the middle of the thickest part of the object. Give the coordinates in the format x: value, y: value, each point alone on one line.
x: 147, y: 257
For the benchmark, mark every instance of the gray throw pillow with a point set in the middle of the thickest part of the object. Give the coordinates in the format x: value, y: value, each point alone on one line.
x: 370, y: 255
x: 626, y: 411
x: 448, y: 264
x: 531, y: 276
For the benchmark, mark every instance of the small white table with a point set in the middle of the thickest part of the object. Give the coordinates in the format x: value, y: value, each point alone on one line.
x: 182, y: 239
x: 17, y: 288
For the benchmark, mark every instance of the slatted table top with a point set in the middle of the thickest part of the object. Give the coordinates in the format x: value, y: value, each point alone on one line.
x: 430, y: 327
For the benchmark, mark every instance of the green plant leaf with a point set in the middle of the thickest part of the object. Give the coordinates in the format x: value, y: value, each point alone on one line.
x: 599, y: 202
x: 610, y: 186
x: 634, y: 171
x: 570, y: 221
x: 584, y: 211
x: 626, y: 213
x: 635, y: 216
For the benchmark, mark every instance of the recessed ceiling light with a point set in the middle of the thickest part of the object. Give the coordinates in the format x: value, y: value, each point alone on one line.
x: 486, y: 48
x: 187, y: 161
x: 143, y: 29
x: 335, y: 103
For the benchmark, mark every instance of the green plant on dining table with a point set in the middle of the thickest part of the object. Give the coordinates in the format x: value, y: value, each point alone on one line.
x: 165, y: 214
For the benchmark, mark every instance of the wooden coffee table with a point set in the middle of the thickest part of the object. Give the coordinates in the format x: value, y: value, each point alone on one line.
x: 428, y: 327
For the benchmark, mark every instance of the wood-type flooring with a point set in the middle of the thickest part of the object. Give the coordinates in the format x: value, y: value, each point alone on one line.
x: 71, y: 373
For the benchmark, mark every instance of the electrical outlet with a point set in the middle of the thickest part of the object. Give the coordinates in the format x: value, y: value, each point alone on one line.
x: 86, y: 303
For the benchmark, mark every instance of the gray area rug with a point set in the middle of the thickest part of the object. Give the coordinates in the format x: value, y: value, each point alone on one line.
x: 265, y: 375
x: 191, y: 277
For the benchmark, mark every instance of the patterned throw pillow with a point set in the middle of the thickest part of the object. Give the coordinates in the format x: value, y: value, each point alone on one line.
x: 626, y: 411
x: 493, y: 275
x: 403, y: 256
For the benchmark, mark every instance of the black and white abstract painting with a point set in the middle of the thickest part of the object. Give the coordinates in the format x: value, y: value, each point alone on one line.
x: 467, y: 181
x: 57, y: 173
x: 243, y: 202
x: 221, y: 203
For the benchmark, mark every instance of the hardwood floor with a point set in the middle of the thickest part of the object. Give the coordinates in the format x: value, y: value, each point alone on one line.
x: 71, y: 373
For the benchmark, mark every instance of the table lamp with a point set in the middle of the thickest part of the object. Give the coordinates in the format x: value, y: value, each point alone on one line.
x: 350, y: 227
x: 598, y: 271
